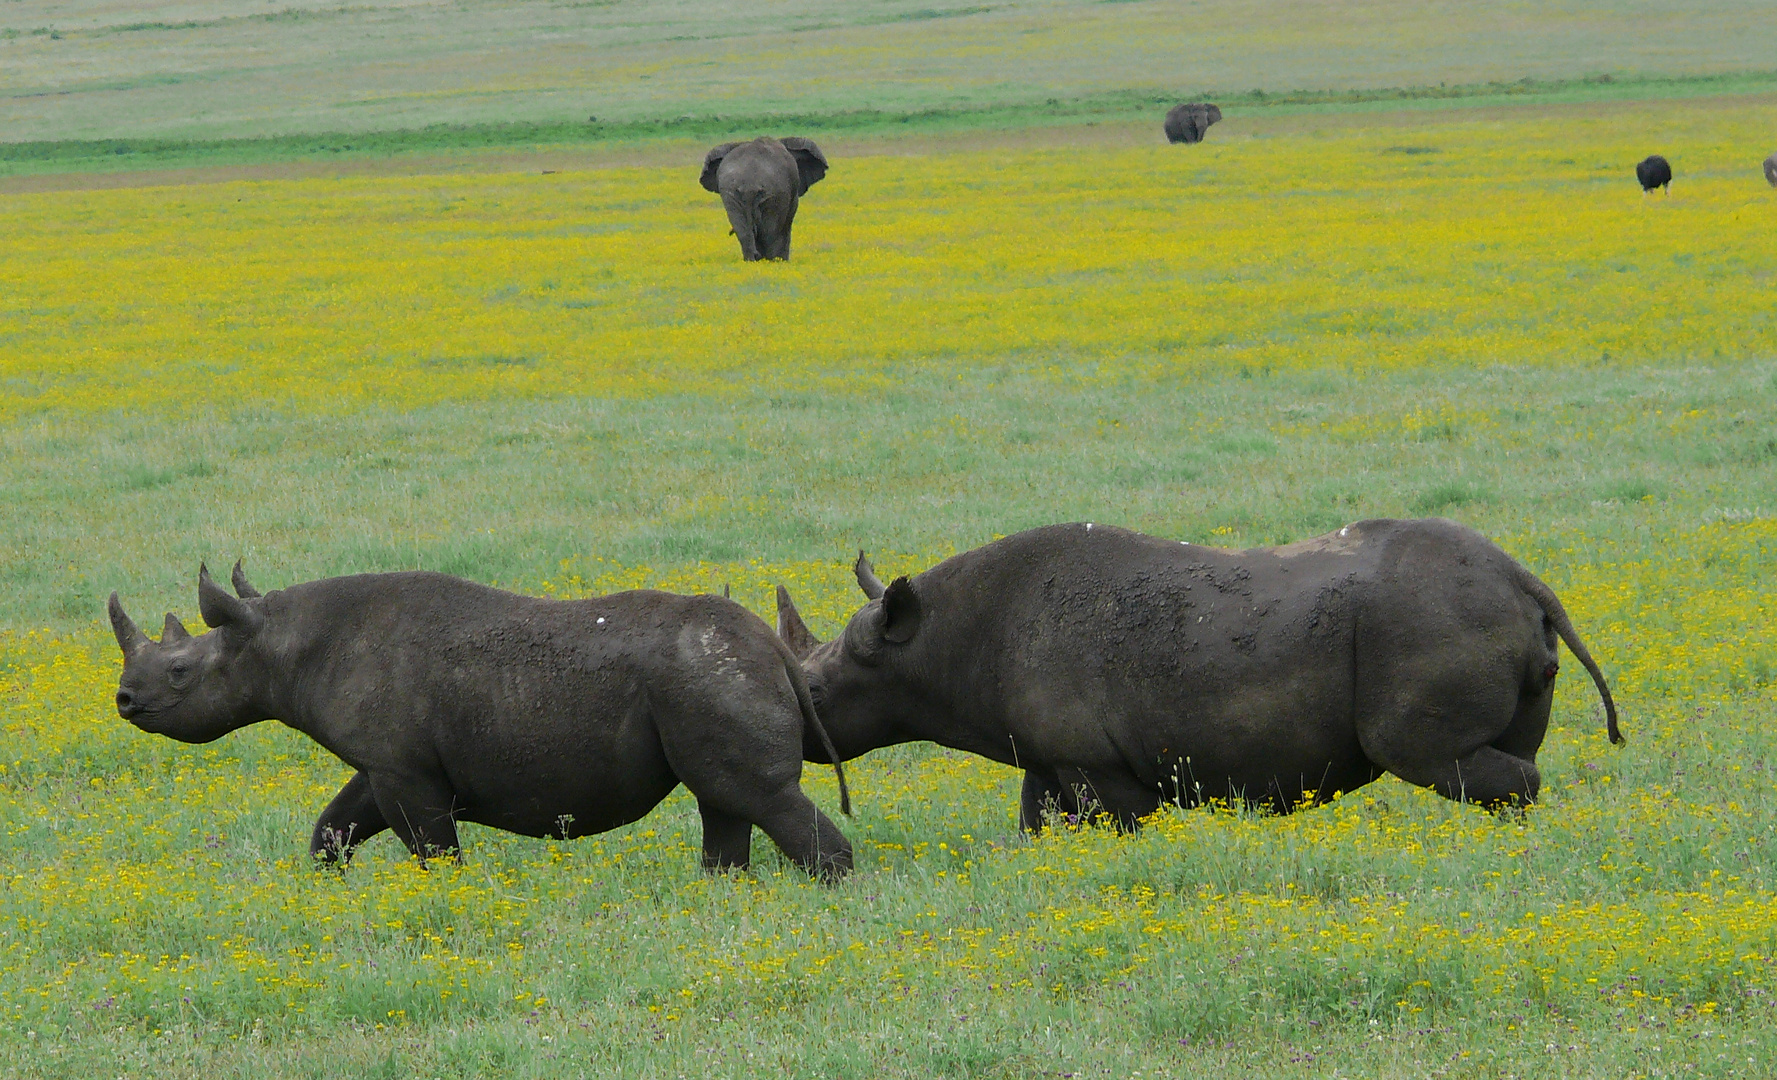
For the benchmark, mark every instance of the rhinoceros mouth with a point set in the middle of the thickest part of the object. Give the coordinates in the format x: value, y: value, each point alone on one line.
x: 141, y: 716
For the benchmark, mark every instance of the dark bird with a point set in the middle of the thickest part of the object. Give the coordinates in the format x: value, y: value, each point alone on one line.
x: 1654, y: 172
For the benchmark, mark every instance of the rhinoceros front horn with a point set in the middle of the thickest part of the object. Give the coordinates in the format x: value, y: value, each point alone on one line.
x: 129, y: 638
x: 867, y: 579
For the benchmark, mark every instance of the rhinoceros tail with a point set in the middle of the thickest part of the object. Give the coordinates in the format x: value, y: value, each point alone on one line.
x: 811, y: 719
x: 1551, y: 605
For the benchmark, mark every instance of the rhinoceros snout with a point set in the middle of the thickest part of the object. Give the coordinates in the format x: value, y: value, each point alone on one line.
x: 126, y: 705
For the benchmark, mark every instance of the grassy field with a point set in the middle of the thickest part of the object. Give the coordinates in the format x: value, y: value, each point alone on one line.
x: 568, y: 383
x: 150, y: 70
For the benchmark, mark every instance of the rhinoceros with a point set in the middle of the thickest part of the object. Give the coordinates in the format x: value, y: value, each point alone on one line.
x: 1120, y: 670
x: 459, y: 702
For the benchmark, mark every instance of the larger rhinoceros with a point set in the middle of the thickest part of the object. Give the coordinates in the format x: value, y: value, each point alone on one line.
x: 458, y: 702
x: 1119, y: 670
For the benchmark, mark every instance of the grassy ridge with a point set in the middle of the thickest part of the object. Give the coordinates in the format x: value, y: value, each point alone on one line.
x: 161, y: 71
x: 125, y: 153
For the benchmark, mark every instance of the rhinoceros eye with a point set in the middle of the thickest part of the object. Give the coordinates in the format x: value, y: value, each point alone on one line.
x: 179, y: 670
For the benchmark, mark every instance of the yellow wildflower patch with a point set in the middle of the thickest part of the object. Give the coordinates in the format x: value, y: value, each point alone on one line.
x: 1462, y: 241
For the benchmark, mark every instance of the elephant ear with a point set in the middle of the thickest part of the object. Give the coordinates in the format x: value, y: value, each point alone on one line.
x: 810, y: 162
x: 711, y: 162
x: 1215, y: 114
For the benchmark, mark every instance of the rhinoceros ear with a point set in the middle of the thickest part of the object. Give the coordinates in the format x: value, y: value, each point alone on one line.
x: 129, y: 638
x: 174, y: 630
x: 867, y: 579
x: 222, y: 610
x: 900, y: 612
x: 791, y: 628
x: 242, y: 587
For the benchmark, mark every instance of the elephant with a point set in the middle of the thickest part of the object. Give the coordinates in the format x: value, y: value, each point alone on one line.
x: 1654, y: 172
x: 454, y: 701
x: 1188, y: 123
x: 1771, y: 170
x: 1121, y: 671
x: 761, y: 183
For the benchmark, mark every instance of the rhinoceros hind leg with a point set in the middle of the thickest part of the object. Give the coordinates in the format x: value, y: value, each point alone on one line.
x: 727, y: 839
x: 1487, y: 777
x: 349, y: 820
x: 806, y: 835
x: 1466, y: 728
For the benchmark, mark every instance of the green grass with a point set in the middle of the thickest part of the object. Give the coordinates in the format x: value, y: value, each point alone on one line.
x: 1563, y: 462
x: 504, y: 492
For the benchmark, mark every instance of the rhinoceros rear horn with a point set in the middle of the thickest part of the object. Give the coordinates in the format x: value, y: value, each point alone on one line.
x: 867, y: 579
x: 791, y: 628
x: 129, y: 638
x: 222, y: 610
x: 901, y: 612
x: 174, y: 630
x: 242, y: 587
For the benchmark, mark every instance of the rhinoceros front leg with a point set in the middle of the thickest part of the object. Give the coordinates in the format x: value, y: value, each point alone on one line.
x: 1042, y: 795
x: 1092, y: 792
x: 421, y: 811
x: 349, y: 820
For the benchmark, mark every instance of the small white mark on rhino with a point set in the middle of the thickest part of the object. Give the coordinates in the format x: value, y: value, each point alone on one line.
x: 1088, y: 526
x: 1345, y: 530
x: 601, y: 619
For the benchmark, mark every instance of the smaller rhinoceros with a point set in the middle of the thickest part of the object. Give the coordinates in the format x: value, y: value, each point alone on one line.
x: 459, y: 702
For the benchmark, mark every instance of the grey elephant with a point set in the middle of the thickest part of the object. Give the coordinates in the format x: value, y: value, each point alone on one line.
x: 458, y: 702
x: 1120, y: 670
x: 1188, y: 123
x: 761, y: 183
x: 1771, y: 170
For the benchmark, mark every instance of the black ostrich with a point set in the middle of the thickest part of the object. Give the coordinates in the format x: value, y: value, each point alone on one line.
x: 1654, y: 172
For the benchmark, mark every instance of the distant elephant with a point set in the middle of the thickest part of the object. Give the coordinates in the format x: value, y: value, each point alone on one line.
x: 760, y: 183
x: 1771, y: 170
x: 1188, y: 123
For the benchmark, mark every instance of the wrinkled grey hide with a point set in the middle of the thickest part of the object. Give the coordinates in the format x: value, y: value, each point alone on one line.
x: 1771, y: 170
x: 1189, y: 123
x: 1119, y: 670
x: 1654, y: 172
x: 457, y: 702
x: 761, y: 183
